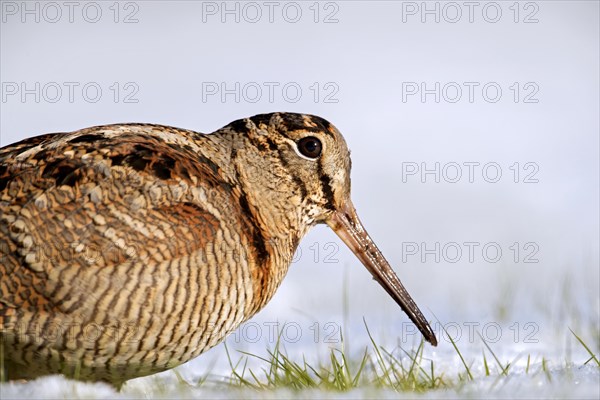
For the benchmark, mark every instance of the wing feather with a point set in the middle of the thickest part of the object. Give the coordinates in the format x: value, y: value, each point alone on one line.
x: 78, y: 211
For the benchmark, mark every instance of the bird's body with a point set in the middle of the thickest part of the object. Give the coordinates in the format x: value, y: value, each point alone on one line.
x: 129, y: 249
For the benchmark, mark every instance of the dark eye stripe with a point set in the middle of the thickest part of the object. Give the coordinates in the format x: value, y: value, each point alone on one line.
x: 326, y: 186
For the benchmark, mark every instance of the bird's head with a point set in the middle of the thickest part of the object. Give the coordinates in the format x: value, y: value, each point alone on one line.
x: 306, y: 162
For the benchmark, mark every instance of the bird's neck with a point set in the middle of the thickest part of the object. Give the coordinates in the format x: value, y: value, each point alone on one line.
x: 274, y: 208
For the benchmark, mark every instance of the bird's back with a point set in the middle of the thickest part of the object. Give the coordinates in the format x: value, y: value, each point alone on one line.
x: 125, y: 250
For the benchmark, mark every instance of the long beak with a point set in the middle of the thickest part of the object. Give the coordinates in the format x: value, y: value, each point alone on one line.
x: 348, y: 227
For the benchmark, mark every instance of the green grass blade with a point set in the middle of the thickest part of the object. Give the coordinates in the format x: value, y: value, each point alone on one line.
x: 462, y: 359
x: 503, y: 369
x: 592, y: 355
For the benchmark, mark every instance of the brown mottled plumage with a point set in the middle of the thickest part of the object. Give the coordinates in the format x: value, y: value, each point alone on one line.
x: 129, y: 249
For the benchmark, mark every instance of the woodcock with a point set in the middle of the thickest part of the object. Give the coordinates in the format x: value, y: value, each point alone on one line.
x: 130, y: 249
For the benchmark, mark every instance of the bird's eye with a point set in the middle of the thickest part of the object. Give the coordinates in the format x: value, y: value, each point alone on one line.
x: 310, y: 147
